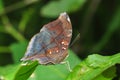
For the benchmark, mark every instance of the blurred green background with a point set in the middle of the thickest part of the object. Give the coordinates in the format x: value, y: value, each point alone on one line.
x: 97, y: 21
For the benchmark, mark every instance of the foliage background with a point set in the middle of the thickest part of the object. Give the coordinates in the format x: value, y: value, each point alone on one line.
x: 97, y: 21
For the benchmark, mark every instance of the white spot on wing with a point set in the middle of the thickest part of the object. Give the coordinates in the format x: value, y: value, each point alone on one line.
x: 64, y: 48
x: 62, y: 42
x: 50, y: 52
x: 69, y: 35
x: 57, y: 51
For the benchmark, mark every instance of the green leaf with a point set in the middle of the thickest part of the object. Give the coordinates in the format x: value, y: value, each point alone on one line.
x: 7, y: 72
x: 55, y: 72
x: 18, y: 50
x: 17, y: 72
x: 53, y: 8
x: 93, y: 66
x: 23, y: 72
x: 108, y: 74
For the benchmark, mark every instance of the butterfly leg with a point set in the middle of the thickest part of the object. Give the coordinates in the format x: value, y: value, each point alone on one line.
x: 67, y: 64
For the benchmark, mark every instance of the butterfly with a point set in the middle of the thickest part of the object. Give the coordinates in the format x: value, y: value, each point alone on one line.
x: 50, y: 45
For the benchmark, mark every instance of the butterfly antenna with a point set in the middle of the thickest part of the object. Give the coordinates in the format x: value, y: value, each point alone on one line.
x: 76, y: 38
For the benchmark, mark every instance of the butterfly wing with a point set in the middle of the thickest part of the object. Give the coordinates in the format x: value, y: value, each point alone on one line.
x: 50, y: 45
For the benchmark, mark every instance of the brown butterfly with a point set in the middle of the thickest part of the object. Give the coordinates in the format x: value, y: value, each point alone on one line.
x: 50, y: 45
